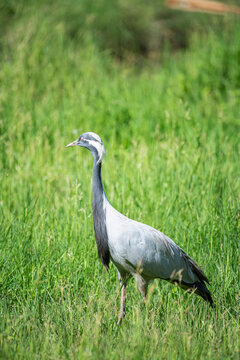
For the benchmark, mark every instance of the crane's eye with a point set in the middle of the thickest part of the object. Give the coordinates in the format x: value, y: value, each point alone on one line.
x: 82, y: 139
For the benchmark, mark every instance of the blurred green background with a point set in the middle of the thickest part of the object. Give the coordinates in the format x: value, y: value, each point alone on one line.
x: 162, y: 89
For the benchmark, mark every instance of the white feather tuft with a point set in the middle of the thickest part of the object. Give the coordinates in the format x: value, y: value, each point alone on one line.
x: 95, y: 136
x: 99, y: 147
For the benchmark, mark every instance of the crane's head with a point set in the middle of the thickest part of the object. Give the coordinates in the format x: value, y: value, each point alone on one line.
x: 92, y: 142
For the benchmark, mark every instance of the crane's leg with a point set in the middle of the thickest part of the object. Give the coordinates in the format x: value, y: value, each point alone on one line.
x: 122, y: 311
x: 142, y: 285
x: 123, y: 284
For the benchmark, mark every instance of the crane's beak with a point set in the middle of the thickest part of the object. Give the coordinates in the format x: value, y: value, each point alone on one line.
x: 74, y: 143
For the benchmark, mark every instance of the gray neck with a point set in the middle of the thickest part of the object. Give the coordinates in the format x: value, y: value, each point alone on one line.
x: 99, y: 214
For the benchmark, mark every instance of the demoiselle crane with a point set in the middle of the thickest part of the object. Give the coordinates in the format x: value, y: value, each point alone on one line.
x: 136, y: 249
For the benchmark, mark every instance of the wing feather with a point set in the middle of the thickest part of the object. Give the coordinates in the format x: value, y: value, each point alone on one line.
x: 195, y: 268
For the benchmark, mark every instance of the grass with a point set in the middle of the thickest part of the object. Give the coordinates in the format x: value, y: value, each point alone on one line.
x: 172, y: 161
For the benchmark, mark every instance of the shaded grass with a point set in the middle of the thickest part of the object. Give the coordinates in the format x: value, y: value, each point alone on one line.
x: 172, y: 143
x: 129, y: 31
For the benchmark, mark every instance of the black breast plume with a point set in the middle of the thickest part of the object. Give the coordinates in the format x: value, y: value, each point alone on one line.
x: 99, y: 220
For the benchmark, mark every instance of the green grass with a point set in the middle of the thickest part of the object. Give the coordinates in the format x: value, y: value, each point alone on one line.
x: 172, y: 161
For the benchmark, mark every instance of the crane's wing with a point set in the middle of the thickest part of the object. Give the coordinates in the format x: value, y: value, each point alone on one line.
x: 135, y: 246
x: 159, y: 256
x: 150, y: 250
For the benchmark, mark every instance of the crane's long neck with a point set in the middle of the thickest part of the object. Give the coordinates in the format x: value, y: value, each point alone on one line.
x: 99, y: 214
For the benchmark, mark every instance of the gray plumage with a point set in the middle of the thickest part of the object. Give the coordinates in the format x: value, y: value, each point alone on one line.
x: 136, y: 249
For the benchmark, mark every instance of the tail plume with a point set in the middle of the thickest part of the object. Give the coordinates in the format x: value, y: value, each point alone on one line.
x: 199, y: 288
x: 203, y: 291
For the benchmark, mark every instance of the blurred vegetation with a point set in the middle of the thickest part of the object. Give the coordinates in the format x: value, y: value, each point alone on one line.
x: 129, y: 30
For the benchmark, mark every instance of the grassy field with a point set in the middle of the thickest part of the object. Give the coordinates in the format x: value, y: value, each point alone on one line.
x: 171, y: 134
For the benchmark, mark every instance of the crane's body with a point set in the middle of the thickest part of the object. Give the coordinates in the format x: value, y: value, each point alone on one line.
x: 136, y: 249
x: 144, y: 249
